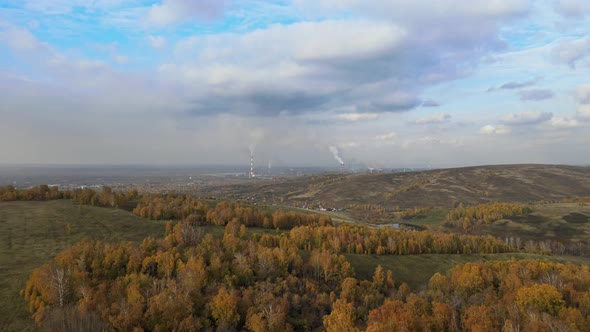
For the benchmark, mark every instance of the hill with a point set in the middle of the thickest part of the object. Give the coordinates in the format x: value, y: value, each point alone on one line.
x: 435, y: 188
x: 32, y: 233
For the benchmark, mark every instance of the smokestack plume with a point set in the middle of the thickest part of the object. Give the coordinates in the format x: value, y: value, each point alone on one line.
x: 336, y: 154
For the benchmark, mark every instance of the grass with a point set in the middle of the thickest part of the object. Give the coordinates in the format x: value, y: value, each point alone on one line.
x: 416, y: 270
x: 31, y: 233
x: 564, y: 222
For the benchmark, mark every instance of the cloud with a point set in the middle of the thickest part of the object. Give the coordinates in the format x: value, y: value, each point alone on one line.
x: 564, y: 122
x: 571, y: 52
x: 175, y: 11
x: 583, y: 111
x: 156, y: 42
x: 21, y: 40
x: 430, y: 103
x: 350, y: 145
x: 514, y: 85
x: 398, y: 102
x: 583, y: 94
x: 404, y: 10
x: 517, y: 85
x: 354, y: 117
x: 431, y: 141
x: 583, y: 100
x: 386, y: 137
x: 527, y: 118
x: 495, y: 130
x: 536, y: 94
x: 433, y: 119
x: 572, y: 8
x: 377, y: 58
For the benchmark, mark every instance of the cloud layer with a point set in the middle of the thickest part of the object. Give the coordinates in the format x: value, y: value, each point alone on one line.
x: 388, y: 81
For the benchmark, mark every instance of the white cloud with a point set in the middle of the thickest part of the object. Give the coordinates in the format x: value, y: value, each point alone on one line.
x: 572, y: 52
x: 350, y: 145
x: 175, y: 11
x: 527, y: 118
x: 386, y: 137
x: 417, y: 10
x: 564, y: 122
x: 495, y: 130
x: 156, y: 42
x: 20, y: 40
x: 583, y: 94
x: 572, y: 8
x: 583, y: 111
x: 121, y: 59
x: 353, y: 117
x: 433, y: 119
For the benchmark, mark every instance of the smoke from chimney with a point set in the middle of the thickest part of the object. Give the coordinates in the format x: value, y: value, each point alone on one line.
x: 336, y: 154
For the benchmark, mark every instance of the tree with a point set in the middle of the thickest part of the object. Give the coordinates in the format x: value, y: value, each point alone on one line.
x: 224, y: 308
x: 540, y: 297
x: 341, y: 319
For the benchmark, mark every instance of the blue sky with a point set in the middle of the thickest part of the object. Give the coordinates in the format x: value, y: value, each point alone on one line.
x: 388, y: 82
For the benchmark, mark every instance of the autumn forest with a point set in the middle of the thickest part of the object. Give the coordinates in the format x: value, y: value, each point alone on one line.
x: 272, y: 269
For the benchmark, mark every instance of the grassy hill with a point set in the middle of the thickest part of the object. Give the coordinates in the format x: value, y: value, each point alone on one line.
x: 416, y: 270
x: 436, y: 188
x: 31, y: 233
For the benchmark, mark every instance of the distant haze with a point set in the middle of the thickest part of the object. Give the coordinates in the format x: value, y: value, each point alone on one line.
x: 388, y: 83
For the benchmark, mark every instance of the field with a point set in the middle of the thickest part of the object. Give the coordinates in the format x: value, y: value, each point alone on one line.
x: 436, y: 188
x: 416, y: 270
x: 31, y: 233
x: 564, y: 222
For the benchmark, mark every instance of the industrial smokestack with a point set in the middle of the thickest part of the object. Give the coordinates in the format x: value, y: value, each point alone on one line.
x: 252, y: 175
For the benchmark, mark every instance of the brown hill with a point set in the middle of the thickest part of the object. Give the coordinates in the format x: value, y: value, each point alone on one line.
x: 436, y: 188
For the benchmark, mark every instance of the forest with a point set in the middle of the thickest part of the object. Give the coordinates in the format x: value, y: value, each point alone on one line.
x: 192, y: 281
x: 294, y: 276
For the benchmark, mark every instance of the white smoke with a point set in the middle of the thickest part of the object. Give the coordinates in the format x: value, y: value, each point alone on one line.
x: 336, y: 154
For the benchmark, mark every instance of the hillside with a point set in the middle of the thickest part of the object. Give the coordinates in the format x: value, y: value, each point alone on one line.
x: 436, y: 188
x: 32, y: 233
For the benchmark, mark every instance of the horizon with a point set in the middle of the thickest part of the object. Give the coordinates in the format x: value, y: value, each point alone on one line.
x: 387, y: 83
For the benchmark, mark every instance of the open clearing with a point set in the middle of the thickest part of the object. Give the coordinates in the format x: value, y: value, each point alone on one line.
x: 416, y: 270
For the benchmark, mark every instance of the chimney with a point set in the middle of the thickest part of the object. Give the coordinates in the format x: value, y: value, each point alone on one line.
x: 252, y: 166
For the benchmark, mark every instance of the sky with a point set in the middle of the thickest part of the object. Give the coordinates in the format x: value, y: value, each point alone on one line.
x: 388, y: 83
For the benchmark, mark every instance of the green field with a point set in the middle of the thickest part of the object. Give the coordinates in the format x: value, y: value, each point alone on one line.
x: 31, y: 233
x: 564, y: 222
x: 416, y: 270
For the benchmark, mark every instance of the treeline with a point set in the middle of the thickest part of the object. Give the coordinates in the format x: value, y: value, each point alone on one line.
x: 182, y: 207
x: 170, y: 206
x: 190, y: 281
x: 388, y: 241
x: 85, y: 196
x: 583, y: 199
x: 486, y: 213
x: 38, y: 193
